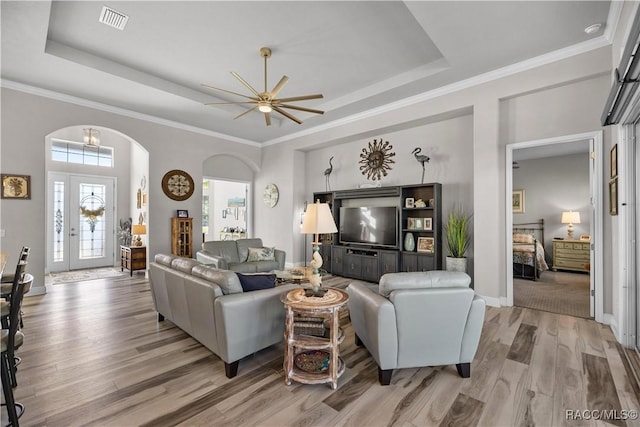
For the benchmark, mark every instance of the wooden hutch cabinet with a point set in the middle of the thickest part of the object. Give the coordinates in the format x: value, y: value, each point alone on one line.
x: 182, y: 236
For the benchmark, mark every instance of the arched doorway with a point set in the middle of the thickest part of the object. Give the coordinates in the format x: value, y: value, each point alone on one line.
x: 91, y: 187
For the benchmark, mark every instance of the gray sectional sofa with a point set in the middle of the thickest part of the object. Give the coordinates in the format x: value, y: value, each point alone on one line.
x: 211, y: 306
x: 235, y: 255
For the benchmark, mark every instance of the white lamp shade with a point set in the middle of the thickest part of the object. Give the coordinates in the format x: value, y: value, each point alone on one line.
x: 571, y: 217
x: 318, y: 219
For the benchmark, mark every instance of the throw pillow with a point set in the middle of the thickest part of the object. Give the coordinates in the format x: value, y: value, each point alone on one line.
x: 255, y: 282
x: 261, y: 254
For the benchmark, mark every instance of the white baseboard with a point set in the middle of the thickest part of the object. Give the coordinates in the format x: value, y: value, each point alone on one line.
x: 492, y: 302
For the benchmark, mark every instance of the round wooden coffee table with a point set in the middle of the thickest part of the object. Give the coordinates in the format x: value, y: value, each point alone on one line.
x: 312, y: 359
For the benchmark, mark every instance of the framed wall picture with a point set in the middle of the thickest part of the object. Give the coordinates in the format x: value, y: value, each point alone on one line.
x: 426, y: 244
x: 183, y: 213
x: 613, y: 196
x: 16, y: 186
x: 409, y: 202
x: 428, y: 224
x: 614, y: 161
x: 518, y: 201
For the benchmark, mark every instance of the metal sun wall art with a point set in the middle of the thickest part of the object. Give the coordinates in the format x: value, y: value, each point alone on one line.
x: 376, y: 160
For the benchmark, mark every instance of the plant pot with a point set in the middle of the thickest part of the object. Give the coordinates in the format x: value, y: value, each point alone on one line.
x: 456, y: 264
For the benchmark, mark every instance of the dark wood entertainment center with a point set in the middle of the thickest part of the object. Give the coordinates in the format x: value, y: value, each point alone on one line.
x: 369, y: 263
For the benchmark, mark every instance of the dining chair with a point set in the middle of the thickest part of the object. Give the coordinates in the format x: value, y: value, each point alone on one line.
x: 11, y: 339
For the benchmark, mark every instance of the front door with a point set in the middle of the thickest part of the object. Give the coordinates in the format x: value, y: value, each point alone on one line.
x: 81, y: 226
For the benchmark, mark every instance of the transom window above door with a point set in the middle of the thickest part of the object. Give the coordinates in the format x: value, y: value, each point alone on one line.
x: 82, y: 154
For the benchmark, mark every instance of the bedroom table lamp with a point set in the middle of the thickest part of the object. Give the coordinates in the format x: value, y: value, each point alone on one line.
x: 138, y: 229
x: 570, y: 217
x: 317, y: 220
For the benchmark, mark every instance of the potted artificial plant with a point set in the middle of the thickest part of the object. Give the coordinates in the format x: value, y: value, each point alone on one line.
x: 457, y: 229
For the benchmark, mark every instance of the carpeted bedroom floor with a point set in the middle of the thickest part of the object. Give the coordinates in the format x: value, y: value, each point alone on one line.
x: 556, y: 291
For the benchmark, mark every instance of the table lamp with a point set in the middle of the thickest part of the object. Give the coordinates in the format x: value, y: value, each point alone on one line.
x: 317, y: 220
x: 570, y: 217
x: 138, y: 229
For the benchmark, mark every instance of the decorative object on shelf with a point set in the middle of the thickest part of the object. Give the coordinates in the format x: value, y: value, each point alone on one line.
x: 409, y: 242
x: 518, y: 201
x: 570, y: 217
x: 426, y: 244
x: 271, y: 195
x: 409, y: 202
x: 418, y: 223
x: 124, y: 234
x: 377, y: 159
x: 91, y: 137
x: 411, y: 223
x: 312, y: 360
x: 422, y: 159
x: 613, y: 197
x: 178, y: 185
x: 317, y: 220
x: 428, y: 224
x: 266, y: 102
x: 327, y: 173
x: 614, y: 161
x: 432, y: 203
x: 182, y: 213
x: 138, y: 230
x: 420, y: 203
x: 16, y: 186
x: 458, y: 239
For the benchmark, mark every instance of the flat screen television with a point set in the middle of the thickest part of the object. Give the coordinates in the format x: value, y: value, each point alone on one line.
x: 369, y: 225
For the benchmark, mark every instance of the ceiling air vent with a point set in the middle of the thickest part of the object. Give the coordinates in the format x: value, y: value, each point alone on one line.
x: 113, y: 18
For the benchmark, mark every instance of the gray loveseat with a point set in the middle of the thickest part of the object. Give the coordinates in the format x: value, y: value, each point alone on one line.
x: 234, y: 255
x: 210, y: 305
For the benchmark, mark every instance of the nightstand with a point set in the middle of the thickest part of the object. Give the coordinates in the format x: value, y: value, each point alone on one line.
x: 133, y: 258
x: 572, y: 255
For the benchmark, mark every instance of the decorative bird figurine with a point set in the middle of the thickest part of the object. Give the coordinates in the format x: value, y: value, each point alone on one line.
x: 327, y: 172
x: 421, y: 158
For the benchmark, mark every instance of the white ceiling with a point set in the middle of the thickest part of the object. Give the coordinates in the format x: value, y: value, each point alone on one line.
x: 360, y: 55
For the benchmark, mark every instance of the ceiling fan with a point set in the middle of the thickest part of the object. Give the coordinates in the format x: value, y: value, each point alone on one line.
x: 266, y: 101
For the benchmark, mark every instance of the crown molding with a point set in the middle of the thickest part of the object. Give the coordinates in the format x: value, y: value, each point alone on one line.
x: 499, y: 73
x: 21, y: 87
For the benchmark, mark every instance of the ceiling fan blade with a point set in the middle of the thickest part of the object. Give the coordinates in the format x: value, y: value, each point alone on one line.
x: 228, y: 91
x: 244, y: 82
x: 300, y: 98
x: 231, y: 103
x: 279, y: 86
x: 287, y: 115
x: 246, y: 112
x: 267, y: 118
x: 295, y: 107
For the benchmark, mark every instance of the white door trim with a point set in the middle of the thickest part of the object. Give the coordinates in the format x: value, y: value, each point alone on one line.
x: 597, y: 202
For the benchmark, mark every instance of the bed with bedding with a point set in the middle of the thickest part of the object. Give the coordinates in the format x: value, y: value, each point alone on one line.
x: 528, y: 250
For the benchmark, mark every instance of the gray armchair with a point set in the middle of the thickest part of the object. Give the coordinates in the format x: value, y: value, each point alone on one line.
x: 418, y: 319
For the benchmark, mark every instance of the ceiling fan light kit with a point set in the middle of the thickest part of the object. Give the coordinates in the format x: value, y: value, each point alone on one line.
x: 266, y: 102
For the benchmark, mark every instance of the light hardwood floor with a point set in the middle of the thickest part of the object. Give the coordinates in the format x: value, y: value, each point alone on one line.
x: 94, y: 354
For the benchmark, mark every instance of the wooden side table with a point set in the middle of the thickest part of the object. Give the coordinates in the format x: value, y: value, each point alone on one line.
x: 296, y: 345
x: 133, y: 258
